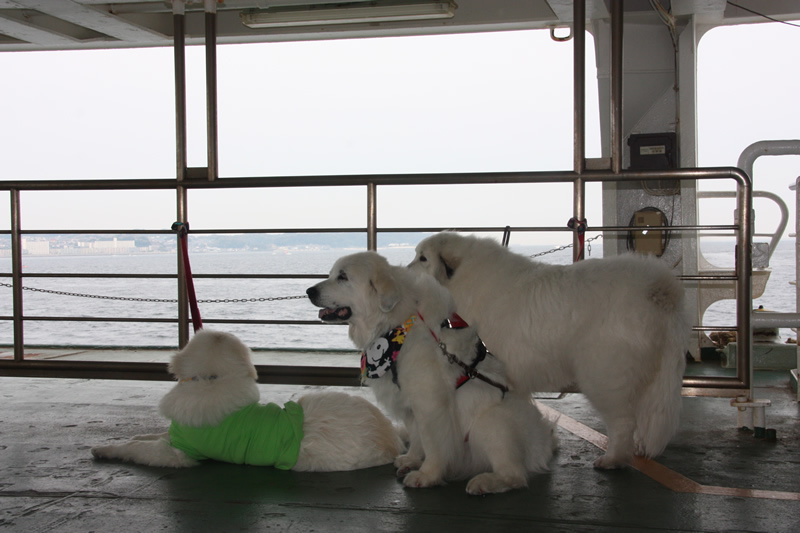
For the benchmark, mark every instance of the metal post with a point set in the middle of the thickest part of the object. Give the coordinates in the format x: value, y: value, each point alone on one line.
x: 180, y: 150
x: 16, y: 276
x: 211, y: 88
x: 179, y: 30
x: 579, y: 81
x: 616, y: 85
x: 372, y: 217
x: 744, y: 285
x: 579, y: 126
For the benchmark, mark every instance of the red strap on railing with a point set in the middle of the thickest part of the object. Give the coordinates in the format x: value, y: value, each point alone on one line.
x: 183, y: 230
x: 578, y: 226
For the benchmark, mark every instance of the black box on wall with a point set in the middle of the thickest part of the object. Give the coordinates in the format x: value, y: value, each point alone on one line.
x: 653, y: 151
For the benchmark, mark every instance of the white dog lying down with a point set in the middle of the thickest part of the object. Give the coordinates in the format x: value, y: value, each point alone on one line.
x: 216, y: 415
x: 616, y: 327
x: 476, y: 430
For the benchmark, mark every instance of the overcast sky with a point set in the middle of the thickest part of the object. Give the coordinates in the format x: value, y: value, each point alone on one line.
x: 482, y: 102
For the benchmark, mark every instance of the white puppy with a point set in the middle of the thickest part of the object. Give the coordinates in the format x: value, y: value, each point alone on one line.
x: 216, y: 415
x: 477, y: 429
x: 616, y: 328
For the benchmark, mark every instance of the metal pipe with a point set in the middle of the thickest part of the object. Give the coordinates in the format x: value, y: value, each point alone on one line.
x: 763, y: 319
x: 617, y: 21
x: 211, y: 88
x: 179, y: 46
x: 749, y: 155
x: 579, y: 84
x: 744, y: 287
x: 372, y: 217
x: 433, y: 229
x: 380, y: 179
x: 183, y: 297
x: 16, y: 276
x: 579, y: 126
x: 774, y: 237
x: 267, y: 374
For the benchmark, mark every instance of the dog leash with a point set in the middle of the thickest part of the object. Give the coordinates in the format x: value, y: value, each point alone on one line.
x: 470, y: 371
x: 182, y: 228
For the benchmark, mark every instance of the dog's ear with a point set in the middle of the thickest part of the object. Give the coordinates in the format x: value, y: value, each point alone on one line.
x: 449, y: 260
x: 450, y: 252
x: 388, y: 292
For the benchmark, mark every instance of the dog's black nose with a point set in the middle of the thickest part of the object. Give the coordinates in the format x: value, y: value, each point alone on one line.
x: 311, y: 292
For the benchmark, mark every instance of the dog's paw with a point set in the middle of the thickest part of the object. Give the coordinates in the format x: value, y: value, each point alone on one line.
x: 405, y: 464
x: 490, y: 483
x: 606, y: 462
x: 420, y: 480
x: 103, y: 452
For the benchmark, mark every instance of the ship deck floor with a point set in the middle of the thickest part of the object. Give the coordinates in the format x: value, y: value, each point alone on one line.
x: 712, y: 477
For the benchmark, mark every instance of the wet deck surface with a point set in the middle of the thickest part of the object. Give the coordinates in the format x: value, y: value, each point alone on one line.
x: 50, y: 482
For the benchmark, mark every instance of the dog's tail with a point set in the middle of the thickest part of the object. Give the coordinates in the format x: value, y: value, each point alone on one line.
x: 658, y: 412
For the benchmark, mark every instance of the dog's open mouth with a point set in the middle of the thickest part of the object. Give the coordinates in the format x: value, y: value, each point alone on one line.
x: 340, y: 313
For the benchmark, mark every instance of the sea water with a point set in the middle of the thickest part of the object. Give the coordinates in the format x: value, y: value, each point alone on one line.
x: 47, y: 314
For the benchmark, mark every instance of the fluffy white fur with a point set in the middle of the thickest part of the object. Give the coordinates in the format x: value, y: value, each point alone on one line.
x: 470, y: 432
x: 617, y: 328
x: 341, y: 432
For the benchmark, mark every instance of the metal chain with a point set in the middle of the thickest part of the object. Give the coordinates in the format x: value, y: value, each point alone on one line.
x: 565, y: 247
x: 156, y: 300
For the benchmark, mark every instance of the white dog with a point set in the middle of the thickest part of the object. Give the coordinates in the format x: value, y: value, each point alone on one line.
x: 216, y: 415
x: 616, y: 328
x: 479, y: 429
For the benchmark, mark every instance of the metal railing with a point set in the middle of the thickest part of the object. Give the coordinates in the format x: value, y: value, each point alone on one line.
x: 346, y: 376
x: 579, y: 176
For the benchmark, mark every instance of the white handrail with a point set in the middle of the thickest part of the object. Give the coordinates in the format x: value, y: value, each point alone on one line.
x: 775, y: 236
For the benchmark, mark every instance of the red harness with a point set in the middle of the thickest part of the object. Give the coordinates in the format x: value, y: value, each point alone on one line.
x: 470, y: 371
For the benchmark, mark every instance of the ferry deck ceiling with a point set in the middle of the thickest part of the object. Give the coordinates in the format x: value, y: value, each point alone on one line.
x: 39, y: 25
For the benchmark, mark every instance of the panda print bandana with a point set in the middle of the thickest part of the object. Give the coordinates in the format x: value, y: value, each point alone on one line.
x: 381, y: 355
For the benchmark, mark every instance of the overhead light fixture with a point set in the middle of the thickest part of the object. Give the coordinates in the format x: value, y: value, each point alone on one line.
x: 347, y: 13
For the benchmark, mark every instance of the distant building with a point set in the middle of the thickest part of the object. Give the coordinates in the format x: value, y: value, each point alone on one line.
x: 35, y: 247
x: 104, y: 245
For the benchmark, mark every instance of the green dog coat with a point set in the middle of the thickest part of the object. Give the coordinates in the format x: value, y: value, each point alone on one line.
x: 260, y: 435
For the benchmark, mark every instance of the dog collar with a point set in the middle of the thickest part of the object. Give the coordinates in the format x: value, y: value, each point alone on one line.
x: 381, y: 355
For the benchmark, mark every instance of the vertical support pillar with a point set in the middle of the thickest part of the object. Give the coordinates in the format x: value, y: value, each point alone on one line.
x: 616, y: 85
x: 579, y: 116
x: 16, y: 276
x: 211, y: 87
x: 796, y: 371
x: 372, y: 217
x: 744, y: 283
x: 179, y: 25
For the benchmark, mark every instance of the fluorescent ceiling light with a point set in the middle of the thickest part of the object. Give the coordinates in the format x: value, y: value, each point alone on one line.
x: 346, y: 13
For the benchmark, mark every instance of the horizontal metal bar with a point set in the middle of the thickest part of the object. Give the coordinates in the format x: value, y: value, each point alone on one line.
x: 711, y: 392
x: 764, y: 319
x: 381, y: 179
x: 710, y: 382
x: 172, y: 320
x: 267, y: 374
x: 276, y: 375
x: 708, y: 278
x: 166, y: 276
x: 471, y: 229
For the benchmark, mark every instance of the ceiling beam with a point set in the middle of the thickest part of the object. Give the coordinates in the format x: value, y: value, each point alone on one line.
x: 94, y: 19
x: 33, y: 34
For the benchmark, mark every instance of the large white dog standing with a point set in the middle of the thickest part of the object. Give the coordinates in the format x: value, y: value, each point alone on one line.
x: 616, y: 328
